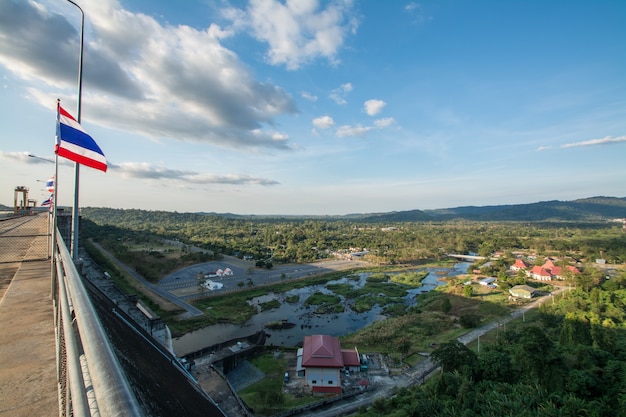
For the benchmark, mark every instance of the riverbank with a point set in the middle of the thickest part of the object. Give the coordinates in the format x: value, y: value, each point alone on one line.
x: 335, y: 304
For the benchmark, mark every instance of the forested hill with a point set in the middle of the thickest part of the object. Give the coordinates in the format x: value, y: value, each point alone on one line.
x: 588, y: 209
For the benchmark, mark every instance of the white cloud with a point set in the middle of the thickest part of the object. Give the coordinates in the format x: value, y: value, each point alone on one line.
x: 373, y: 107
x: 385, y: 122
x: 323, y: 122
x: 180, y: 82
x: 358, y: 130
x: 346, y: 130
x: 308, y: 96
x: 145, y: 170
x: 297, y: 32
x: 594, y: 142
x: 338, y: 95
x: 607, y: 140
x: 411, y: 6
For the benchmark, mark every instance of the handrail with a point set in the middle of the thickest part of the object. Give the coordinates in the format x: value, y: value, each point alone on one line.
x: 82, y: 331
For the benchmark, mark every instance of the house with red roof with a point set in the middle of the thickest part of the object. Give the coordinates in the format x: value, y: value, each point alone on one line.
x: 549, y: 271
x: 539, y: 273
x: 519, y: 265
x: 321, y: 361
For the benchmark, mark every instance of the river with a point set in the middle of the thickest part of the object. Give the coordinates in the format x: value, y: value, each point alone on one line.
x: 306, y: 322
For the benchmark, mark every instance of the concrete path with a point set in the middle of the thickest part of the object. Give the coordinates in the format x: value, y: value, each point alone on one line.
x: 28, y: 381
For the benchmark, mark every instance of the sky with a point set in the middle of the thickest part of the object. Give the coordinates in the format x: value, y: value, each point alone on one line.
x: 308, y: 107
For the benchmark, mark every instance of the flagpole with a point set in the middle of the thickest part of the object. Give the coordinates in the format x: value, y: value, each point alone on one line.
x: 53, y: 205
x: 75, y: 210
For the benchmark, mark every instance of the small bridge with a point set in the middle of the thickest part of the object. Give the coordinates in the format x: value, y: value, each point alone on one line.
x: 466, y: 257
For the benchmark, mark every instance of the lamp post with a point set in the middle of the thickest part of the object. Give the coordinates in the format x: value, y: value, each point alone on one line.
x: 39, y: 157
x: 75, y: 211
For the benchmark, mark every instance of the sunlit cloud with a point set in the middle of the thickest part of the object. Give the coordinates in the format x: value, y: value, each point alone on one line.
x: 297, y: 32
x: 373, y: 107
x: 607, y: 140
x: 308, y: 96
x: 346, y: 130
x: 338, y: 95
x: 181, y: 82
x: 323, y: 122
x: 382, y: 123
x: 144, y: 170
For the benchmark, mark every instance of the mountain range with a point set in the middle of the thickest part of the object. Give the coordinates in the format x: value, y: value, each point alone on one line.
x: 586, y: 209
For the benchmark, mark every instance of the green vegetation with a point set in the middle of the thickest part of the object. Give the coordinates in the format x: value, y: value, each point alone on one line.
x: 413, y: 279
x: 426, y: 324
x: 566, y: 358
x: 292, y: 299
x: 266, y: 396
x: 269, y: 305
x: 325, y: 303
x: 305, y: 239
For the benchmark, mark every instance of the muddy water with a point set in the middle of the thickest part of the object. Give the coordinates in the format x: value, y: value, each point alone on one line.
x: 305, y: 320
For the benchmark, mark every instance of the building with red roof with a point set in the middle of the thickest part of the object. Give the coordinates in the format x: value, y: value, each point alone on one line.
x: 539, y: 273
x: 519, y: 265
x: 321, y: 361
x: 549, y: 271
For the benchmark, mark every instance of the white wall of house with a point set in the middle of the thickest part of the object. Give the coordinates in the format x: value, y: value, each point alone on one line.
x: 323, y: 377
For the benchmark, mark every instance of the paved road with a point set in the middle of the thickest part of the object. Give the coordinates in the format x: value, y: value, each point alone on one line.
x: 243, y: 271
x: 184, y: 284
x: 191, y: 310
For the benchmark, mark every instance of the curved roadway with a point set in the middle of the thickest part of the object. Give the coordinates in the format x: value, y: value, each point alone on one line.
x: 191, y: 310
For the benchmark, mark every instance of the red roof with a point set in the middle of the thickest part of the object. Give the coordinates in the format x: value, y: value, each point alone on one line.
x: 520, y: 263
x: 573, y: 269
x: 556, y: 270
x: 538, y: 270
x: 322, y: 351
x: 350, y: 357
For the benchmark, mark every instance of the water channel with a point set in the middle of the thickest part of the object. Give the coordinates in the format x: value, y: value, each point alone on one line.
x: 303, y: 316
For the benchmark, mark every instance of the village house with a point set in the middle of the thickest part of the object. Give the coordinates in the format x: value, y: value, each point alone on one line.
x: 323, y: 363
x: 546, y: 272
x: 522, y: 291
x: 519, y: 265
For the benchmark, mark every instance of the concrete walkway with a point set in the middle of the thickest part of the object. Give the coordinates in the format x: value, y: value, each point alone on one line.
x: 28, y: 382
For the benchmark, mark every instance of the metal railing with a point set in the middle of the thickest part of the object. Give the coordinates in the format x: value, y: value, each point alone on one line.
x: 91, y: 380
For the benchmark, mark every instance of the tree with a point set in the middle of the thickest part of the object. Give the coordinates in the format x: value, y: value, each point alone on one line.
x: 454, y: 356
x: 495, y: 365
x: 536, y: 357
x: 468, y: 291
x: 575, y: 332
x: 446, y: 305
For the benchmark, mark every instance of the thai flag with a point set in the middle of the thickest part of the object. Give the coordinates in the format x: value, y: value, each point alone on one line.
x: 48, y: 202
x: 75, y: 144
x: 50, y: 184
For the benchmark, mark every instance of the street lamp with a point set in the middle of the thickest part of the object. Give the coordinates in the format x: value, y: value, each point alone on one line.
x: 75, y: 211
x: 39, y: 157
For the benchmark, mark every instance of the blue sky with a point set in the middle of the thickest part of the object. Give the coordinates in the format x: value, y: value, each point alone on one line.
x: 319, y: 107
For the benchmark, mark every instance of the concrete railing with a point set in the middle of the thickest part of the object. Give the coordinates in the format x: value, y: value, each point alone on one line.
x: 91, y: 381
